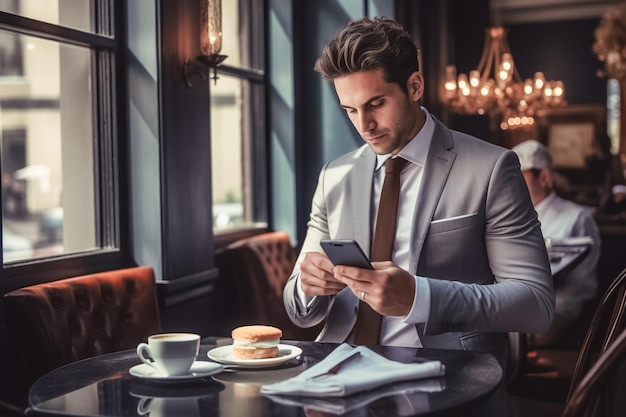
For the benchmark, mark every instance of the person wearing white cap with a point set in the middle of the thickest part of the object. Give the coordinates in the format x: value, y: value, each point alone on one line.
x: 560, y: 218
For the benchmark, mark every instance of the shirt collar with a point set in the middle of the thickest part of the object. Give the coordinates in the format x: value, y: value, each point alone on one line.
x: 545, y: 203
x: 417, y: 149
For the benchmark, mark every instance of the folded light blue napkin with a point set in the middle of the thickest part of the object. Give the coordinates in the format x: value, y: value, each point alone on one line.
x: 410, y: 397
x: 369, y: 370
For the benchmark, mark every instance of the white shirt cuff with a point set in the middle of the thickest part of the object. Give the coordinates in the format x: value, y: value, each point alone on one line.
x: 304, y: 301
x: 420, y: 311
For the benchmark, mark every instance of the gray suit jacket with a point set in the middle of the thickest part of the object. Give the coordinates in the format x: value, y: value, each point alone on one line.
x: 475, y: 236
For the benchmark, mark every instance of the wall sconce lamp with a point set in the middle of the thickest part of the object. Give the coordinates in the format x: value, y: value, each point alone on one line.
x: 210, y: 42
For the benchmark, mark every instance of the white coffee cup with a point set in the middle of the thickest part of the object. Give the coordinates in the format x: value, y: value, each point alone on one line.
x: 171, y: 353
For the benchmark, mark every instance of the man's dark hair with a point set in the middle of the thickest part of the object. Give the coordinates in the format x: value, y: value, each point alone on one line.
x: 370, y: 44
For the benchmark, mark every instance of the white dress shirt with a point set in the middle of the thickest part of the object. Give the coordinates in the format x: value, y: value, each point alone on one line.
x: 401, y: 331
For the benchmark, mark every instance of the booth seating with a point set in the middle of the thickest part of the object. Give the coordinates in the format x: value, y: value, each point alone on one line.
x: 60, y: 322
x: 253, y: 273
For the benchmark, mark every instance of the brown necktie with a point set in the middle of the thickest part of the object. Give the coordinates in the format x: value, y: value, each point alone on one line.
x: 367, y: 327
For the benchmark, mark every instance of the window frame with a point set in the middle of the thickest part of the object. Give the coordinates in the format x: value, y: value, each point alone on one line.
x: 107, y: 56
x: 255, y: 153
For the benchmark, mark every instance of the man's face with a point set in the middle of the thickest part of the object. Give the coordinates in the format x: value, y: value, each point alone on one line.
x: 385, y: 117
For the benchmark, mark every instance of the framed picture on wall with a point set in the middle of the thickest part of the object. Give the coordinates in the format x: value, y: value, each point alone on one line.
x: 572, y: 143
x: 576, y: 136
x: 579, y: 145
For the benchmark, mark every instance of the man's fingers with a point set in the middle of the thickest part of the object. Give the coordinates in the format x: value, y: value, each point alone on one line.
x: 316, y: 275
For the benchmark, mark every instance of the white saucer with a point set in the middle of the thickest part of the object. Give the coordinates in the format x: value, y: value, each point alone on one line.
x: 224, y: 354
x: 199, y: 369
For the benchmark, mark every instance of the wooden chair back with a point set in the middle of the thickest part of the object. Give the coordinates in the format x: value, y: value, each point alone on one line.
x: 607, y: 323
x: 590, y: 397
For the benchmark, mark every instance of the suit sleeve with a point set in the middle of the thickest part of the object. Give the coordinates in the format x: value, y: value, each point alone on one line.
x: 315, y: 312
x: 520, y: 297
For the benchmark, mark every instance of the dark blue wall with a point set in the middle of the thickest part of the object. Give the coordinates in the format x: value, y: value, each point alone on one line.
x: 561, y: 50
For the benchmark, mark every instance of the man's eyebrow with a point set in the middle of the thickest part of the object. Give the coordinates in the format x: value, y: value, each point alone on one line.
x: 378, y: 97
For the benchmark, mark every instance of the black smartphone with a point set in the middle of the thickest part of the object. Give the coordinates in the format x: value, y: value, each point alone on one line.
x: 345, y: 252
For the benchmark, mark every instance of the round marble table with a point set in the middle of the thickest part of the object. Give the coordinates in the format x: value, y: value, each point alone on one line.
x: 103, y: 386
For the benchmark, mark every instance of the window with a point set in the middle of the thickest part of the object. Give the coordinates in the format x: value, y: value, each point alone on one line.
x: 59, y: 190
x: 238, y: 121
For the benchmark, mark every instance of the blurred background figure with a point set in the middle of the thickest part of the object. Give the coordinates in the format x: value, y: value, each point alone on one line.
x: 561, y: 219
x: 616, y: 201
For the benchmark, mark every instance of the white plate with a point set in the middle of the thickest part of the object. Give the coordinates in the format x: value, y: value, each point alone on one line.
x: 199, y: 369
x: 224, y: 354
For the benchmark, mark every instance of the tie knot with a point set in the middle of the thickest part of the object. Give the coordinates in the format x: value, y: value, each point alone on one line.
x: 394, y: 165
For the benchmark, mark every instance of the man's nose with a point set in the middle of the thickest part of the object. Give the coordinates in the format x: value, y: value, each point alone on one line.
x: 366, y: 123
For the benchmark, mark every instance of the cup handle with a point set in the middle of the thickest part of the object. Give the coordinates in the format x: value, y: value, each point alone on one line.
x: 143, y: 407
x: 143, y: 351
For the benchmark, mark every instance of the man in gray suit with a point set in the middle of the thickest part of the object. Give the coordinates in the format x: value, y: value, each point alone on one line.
x: 469, y: 262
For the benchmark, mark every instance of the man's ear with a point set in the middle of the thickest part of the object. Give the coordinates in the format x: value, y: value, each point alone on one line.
x: 546, y: 177
x: 415, y: 86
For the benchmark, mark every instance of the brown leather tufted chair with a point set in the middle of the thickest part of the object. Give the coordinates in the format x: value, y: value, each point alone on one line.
x: 63, y: 321
x: 257, y: 269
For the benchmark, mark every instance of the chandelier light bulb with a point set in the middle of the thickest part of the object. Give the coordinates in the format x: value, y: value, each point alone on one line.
x: 463, y: 82
x: 539, y: 80
x: 528, y: 86
x: 507, y: 61
x: 558, y: 89
x: 474, y: 78
x: 450, y: 87
x: 450, y: 84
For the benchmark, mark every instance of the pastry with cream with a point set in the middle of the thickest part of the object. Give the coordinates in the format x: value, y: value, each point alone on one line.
x: 256, y: 342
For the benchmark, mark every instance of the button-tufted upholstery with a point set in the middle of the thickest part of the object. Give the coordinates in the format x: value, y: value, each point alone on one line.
x: 63, y: 321
x: 260, y: 266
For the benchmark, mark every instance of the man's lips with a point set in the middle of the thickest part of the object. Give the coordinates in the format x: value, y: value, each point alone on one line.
x: 370, y: 138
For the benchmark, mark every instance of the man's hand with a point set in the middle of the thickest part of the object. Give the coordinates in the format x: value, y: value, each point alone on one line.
x: 388, y: 289
x: 316, y: 275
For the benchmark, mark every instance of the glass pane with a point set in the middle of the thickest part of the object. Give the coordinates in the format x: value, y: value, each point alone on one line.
x: 227, y: 153
x: 47, y: 152
x: 70, y: 13
x: 231, y: 42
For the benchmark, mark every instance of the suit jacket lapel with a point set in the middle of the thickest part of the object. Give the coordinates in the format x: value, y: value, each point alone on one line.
x: 438, y: 165
x: 362, y: 179
x: 357, y: 210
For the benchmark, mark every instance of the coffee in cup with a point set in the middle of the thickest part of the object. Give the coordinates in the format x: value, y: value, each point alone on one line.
x: 170, y: 353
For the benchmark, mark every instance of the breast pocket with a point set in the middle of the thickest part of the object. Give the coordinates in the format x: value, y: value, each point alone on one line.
x: 455, y: 249
x: 453, y: 223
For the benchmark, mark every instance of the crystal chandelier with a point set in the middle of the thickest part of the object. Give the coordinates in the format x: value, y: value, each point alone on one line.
x: 495, y: 87
x: 610, y: 42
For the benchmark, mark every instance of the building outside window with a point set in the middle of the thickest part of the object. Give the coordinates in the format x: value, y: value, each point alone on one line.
x: 57, y: 127
x: 238, y: 121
